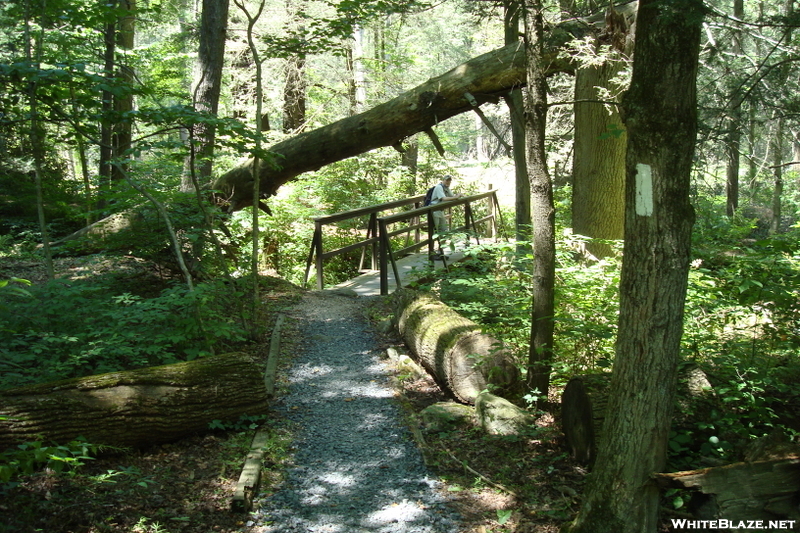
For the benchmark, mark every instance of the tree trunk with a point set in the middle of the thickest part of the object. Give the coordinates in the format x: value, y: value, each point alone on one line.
x: 777, y: 172
x: 543, y: 211
x: 486, y: 78
x: 294, y: 95
x: 660, y: 112
x: 36, y: 134
x: 583, y: 411
x: 135, y: 408
x: 294, y: 88
x: 357, y: 91
x: 516, y: 111
x: 447, y: 344
x: 207, y: 87
x: 584, y: 407
x: 121, y: 131
x: 733, y: 136
x: 598, y: 189
x: 105, y: 149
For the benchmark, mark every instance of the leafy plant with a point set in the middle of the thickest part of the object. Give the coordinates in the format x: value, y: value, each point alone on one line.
x: 244, y: 423
x: 85, y: 328
x: 30, y: 456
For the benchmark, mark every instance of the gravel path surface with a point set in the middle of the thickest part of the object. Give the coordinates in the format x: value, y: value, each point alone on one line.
x: 357, y: 468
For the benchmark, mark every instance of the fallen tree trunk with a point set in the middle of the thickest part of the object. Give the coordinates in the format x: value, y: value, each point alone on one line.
x: 762, y: 490
x: 483, y: 79
x: 458, y: 355
x: 135, y: 408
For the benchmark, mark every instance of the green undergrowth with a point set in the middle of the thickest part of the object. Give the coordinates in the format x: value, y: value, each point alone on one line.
x: 740, y: 330
x: 64, y: 329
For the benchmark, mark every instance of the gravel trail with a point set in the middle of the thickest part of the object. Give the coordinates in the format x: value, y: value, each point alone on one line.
x: 356, y: 467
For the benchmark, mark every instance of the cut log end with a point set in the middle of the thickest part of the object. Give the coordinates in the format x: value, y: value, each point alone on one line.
x: 583, y: 405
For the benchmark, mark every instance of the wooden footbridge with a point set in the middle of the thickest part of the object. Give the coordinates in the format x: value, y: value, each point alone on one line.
x: 398, y: 239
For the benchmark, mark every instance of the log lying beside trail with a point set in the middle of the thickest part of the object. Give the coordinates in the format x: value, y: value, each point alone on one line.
x: 460, y: 357
x: 135, y: 408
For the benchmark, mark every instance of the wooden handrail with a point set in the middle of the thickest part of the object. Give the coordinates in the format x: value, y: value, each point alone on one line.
x: 379, y: 236
x: 360, y: 212
x: 317, y: 255
x: 384, y: 235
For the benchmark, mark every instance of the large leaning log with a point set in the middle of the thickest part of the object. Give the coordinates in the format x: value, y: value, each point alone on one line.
x: 135, y: 408
x: 485, y: 78
x: 453, y: 349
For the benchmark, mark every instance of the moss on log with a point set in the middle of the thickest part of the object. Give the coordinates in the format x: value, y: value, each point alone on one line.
x: 453, y: 349
x: 135, y: 408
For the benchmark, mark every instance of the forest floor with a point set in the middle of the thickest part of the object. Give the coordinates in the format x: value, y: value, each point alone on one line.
x: 522, y: 484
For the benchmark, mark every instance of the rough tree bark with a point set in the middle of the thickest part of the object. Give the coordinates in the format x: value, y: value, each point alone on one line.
x: 447, y: 344
x: 734, y: 122
x: 598, y: 194
x: 135, y: 408
x: 207, y: 87
x: 122, y: 130
x: 543, y: 211
x: 660, y: 112
x: 522, y: 198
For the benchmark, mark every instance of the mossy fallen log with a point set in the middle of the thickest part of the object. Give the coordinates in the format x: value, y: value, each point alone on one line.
x: 453, y: 349
x: 135, y: 408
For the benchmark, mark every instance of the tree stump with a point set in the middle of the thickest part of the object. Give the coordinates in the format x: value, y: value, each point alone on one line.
x: 584, y: 402
x: 135, y: 408
x: 453, y: 349
x: 583, y: 409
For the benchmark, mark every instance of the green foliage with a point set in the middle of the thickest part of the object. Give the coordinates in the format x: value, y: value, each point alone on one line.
x: 493, y: 288
x: 10, y: 287
x: 86, y: 327
x: 244, y: 423
x: 740, y: 329
x: 28, y: 457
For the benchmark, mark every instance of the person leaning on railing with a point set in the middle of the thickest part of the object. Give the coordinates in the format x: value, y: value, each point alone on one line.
x: 442, y: 193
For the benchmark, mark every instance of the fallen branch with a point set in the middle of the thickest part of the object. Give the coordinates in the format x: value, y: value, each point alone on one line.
x: 475, y: 472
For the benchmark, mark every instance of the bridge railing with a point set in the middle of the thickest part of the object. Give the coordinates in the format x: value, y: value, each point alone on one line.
x: 382, y: 230
x: 386, y: 256
x: 317, y: 255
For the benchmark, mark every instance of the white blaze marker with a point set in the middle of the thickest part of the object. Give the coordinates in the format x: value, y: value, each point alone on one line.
x: 644, y: 190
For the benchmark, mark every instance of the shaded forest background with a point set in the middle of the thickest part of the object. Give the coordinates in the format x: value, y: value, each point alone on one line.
x: 103, y: 113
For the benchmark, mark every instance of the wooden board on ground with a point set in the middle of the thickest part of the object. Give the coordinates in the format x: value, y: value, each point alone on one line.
x: 250, y: 478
